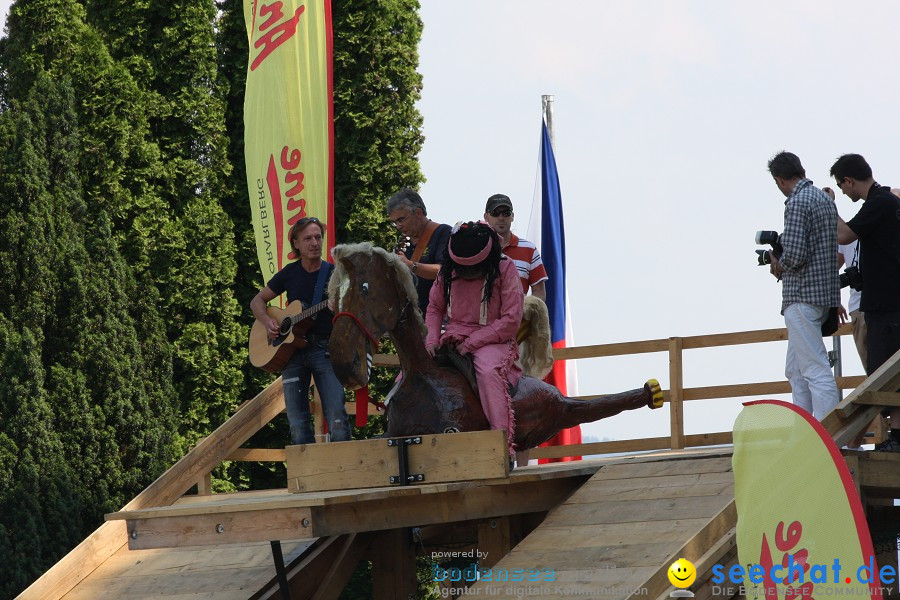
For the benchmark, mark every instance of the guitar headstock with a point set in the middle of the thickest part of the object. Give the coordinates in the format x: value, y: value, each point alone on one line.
x: 403, y: 243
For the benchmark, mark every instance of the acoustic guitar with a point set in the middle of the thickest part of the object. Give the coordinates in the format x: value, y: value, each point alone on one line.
x: 272, y: 354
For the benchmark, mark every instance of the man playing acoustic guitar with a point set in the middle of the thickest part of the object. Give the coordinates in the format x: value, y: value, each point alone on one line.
x: 306, y: 280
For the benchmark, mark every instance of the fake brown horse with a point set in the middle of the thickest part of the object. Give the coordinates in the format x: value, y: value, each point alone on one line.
x: 374, y: 295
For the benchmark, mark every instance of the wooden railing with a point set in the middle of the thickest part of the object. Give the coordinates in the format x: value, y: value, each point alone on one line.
x: 675, y: 396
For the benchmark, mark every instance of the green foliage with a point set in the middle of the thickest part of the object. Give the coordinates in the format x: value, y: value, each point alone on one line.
x: 126, y: 246
x: 187, y: 238
x: 377, y: 128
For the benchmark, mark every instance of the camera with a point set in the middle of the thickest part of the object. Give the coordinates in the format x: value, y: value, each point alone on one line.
x: 852, y: 277
x: 771, y: 238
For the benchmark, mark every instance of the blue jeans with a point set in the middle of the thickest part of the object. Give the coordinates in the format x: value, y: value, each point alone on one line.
x: 313, y: 361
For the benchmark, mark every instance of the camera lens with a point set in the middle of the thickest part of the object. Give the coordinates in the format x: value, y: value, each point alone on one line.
x: 766, y: 237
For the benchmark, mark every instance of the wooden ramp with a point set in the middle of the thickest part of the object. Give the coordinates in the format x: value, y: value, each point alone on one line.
x: 613, y: 534
x: 230, y: 572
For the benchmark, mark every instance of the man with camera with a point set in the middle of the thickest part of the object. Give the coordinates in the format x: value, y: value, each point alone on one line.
x: 810, y: 291
x: 877, y: 227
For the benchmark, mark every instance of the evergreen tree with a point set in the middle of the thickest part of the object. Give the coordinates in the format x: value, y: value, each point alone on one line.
x: 377, y: 127
x: 86, y: 402
x: 170, y: 50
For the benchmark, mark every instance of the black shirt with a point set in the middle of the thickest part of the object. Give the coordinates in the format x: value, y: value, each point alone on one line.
x: 877, y: 225
x: 433, y: 255
x: 300, y: 284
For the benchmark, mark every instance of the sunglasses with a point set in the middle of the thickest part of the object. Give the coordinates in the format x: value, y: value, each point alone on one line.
x: 501, y: 212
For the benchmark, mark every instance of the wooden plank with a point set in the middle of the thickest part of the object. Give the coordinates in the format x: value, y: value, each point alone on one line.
x: 223, y: 581
x: 676, y: 393
x: 659, y: 484
x: 664, y: 467
x: 625, y: 512
x: 879, y: 398
x: 554, y: 534
x: 742, y: 390
x: 885, y: 379
x: 724, y: 551
x: 617, y: 556
x: 844, y: 429
x: 878, y: 471
x: 386, y: 360
x: 369, y: 463
x: 109, y: 537
x: 737, y: 338
x: 494, y: 540
x: 477, y: 502
x: 334, y: 580
x: 258, y: 455
x: 618, y: 349
x: 204, y: 486
x: 657, y: 443
x: 393, y: 565
x: 138, y: 563
x: 321, y: 553
x: 694, y: 549
x: 387, y: 509
x: 656, y: 493
x: 224, y: 528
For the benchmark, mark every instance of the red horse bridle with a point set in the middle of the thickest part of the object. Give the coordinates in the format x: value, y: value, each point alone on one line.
x: 359, y: 324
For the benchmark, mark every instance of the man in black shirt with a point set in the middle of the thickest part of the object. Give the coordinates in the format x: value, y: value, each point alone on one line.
x: 877, y: 226
x: 306, y: 280
x: 427, y: 240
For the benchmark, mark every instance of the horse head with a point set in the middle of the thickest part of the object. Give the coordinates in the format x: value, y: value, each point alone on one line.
x: 371, y: 290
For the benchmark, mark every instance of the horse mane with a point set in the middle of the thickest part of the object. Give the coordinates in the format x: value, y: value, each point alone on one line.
x: 402, y: 274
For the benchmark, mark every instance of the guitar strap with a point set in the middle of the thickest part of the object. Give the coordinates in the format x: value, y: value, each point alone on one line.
x: 320, y: 282
x: 423, y: 241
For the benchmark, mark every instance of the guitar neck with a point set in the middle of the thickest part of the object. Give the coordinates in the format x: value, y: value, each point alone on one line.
x: 309, y: 312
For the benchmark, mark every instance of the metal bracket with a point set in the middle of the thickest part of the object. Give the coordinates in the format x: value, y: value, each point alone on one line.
x: 280, y: 572
x: 402, y: 445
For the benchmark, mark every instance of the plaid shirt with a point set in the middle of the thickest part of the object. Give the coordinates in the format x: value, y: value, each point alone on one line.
x: 810, y: 248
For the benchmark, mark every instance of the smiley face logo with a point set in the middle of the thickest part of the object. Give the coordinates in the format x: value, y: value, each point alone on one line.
x: 682, y: 573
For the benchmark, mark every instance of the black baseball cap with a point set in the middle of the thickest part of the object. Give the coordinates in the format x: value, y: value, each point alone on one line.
x: 496, y: 201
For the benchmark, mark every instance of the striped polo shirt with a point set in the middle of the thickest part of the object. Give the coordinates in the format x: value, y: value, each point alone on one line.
x: 528, y: 261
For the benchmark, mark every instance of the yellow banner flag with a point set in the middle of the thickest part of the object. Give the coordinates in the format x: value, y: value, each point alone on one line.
x: 288, y: 122
x: 801, y: 531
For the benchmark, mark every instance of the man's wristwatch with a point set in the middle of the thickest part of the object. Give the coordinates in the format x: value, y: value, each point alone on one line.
x: 415, y: 266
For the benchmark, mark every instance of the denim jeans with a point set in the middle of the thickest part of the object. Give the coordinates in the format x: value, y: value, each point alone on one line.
x: 806, y: 367
x: 313, y: 361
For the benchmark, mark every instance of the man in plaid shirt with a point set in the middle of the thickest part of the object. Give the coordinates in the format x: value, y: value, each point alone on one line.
x: 810, y: 283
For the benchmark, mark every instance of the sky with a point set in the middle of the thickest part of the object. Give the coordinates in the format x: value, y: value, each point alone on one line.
x: 665, y: 115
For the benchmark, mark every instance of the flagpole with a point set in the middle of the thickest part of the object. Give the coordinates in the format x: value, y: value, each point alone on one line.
x: 547, y: 107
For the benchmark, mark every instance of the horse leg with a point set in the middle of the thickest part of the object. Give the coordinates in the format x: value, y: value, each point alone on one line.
x: 542, y: 412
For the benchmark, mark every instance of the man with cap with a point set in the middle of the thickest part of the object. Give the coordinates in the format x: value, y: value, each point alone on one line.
x: 427, y: 240
x: 498, y: 212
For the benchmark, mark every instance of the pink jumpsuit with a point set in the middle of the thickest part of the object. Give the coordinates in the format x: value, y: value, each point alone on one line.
x: 487, y: 332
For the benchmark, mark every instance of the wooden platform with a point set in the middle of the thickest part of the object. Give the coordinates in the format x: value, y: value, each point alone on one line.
x: 612, y: 536
x: 279, y: 514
